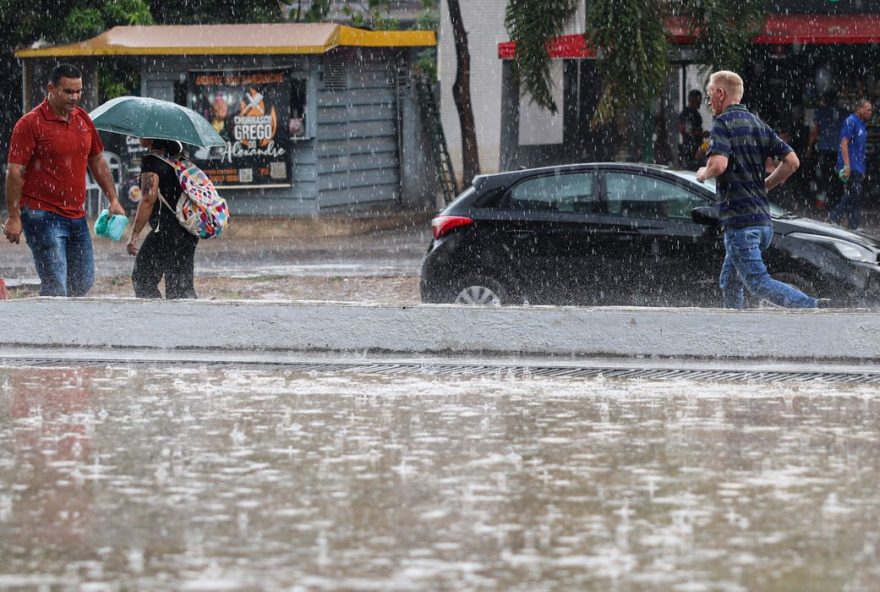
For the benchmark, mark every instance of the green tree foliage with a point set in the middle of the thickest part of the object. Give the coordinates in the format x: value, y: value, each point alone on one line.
x: 724, y: 29
x: 57, y: 21
x: 199, y: 12
x: 83, y: 22
x: 429, y: 20
x: 631, y: 41
x: 306, y: 11
x: 372, y: 15
x: 51, y: 22
x: 373, y: 18
x: 633, y: 50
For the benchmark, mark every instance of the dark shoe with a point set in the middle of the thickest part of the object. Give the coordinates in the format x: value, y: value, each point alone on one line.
x: 824, y: 303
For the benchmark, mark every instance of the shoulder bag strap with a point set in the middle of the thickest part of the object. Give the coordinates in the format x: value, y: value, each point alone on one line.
x: 158, y: 190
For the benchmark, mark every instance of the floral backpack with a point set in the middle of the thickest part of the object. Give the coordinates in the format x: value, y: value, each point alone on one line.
x: 200, y: 208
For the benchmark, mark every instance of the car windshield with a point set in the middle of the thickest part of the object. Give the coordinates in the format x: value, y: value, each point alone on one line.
x: 775, y: 210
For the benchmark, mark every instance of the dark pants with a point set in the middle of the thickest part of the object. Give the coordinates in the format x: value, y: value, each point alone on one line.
x: 170, y: 253
x: 687, y: 156
x: 826, y: 177
x: 850, y: 202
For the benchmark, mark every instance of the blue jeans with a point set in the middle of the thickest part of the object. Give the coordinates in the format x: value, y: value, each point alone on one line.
x: 849, y: 203
x: 744, y: 267
x: 62, y: 251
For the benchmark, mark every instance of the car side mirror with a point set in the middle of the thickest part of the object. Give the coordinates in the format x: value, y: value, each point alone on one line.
x: 705, y: 215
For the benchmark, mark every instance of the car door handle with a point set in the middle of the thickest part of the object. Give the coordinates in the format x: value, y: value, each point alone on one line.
x: 521, y: 233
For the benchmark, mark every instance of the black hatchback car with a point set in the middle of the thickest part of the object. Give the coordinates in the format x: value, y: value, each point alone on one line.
x: 621, y: 234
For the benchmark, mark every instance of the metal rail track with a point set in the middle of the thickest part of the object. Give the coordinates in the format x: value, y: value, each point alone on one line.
x: 514, y: 370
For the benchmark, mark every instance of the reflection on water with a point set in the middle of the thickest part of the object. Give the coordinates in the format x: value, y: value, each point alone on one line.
x: 213, y: 479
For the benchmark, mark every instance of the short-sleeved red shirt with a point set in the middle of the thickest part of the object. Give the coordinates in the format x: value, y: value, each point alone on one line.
x: 55, y: 155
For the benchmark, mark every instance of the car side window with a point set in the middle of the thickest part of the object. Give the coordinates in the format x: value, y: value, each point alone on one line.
x: 568, y: 192
x: 642, y: 196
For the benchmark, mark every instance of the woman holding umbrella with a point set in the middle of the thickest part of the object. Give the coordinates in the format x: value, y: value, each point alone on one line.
x: 169, y: 249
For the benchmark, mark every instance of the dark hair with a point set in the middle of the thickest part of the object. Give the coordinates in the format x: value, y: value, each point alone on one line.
x: 695, y: 94
x: 169, y: 147
x: 64, y: 71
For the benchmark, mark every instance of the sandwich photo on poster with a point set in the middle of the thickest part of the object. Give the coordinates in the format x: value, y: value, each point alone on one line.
x: 250, y: 111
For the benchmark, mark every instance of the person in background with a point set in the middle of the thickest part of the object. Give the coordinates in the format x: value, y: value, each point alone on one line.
x: 824, y: 142
x: 169, y: 249
x: 739, y: 148
x: 690, y: 126
x: 219, y: 114
x: 851, y: 163
x: 49, y: 151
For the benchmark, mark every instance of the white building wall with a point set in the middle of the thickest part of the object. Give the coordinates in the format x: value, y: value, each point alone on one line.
x: 484, y: 22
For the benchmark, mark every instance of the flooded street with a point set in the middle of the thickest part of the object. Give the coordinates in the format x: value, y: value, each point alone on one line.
x: 214, y: 478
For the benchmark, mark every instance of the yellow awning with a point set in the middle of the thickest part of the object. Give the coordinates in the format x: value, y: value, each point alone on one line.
x: 249, y: 39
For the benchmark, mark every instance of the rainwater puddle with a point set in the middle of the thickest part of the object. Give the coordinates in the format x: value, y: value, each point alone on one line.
x: 205, y: 478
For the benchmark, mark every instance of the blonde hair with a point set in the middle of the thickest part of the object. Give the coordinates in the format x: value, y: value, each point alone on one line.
x: 730, y: 82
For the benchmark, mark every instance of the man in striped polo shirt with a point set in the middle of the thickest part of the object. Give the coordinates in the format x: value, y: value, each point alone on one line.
x: 740, y: 144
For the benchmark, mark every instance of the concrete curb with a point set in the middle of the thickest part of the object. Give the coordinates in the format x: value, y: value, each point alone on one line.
x: 774, y: 334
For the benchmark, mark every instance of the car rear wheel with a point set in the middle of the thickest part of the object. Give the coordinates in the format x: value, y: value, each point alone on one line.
x: 481, y: 291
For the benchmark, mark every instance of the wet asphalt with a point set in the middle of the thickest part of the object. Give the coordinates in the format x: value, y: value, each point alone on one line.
x: 247, y: 251
x: 214, y: 478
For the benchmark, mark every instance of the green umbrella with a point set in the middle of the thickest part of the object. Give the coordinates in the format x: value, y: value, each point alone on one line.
x: 144, y: 117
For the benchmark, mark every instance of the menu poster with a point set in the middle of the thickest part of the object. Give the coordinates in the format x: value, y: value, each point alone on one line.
x: 250, y: 111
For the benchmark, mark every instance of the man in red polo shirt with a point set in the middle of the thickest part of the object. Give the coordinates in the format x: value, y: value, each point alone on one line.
x: 49, y: 151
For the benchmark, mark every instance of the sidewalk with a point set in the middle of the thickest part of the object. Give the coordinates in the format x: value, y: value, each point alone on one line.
x: 800, y: 336
x: 336, y: 257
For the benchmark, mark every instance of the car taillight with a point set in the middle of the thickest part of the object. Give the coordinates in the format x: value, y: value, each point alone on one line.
x: 443, y: 225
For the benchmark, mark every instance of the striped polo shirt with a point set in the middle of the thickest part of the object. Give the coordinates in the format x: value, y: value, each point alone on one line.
x: 747, y: 142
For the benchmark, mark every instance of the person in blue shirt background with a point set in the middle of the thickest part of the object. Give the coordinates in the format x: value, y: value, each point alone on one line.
x: 851, y: 163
